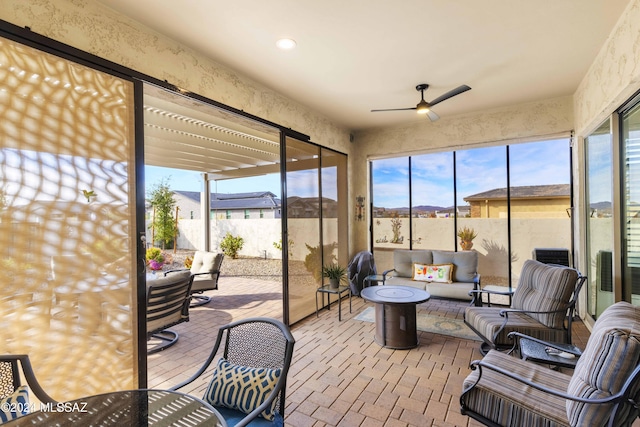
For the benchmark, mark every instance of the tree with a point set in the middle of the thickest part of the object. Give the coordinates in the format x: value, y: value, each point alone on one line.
x: 162, y: 201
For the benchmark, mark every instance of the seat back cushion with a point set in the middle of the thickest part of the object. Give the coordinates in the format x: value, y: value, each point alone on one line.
x: 204, y: 262
x: 403, y: 260
x: 544, y: 287
x: 242, y: 388
x: 611, y: 355
x: 15, y: 405
x: 465, y: 263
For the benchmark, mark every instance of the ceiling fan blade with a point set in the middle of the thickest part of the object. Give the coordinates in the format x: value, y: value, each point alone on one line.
x: 394, y: 109
x: 432, y: 116
x: 451, y: 93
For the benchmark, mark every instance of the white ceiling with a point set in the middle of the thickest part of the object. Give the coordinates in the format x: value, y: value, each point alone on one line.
x: 353, y: 56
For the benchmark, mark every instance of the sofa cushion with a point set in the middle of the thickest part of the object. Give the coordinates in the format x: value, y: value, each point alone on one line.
x: 433, y: 272
x: 465, y: 263
x: 611, y: 355
x: 403, y: 260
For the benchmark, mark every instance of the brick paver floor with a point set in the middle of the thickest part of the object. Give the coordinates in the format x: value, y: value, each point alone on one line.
x: 339, y: 375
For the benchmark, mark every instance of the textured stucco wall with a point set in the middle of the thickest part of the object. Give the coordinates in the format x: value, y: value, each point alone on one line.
x: 613, y: 76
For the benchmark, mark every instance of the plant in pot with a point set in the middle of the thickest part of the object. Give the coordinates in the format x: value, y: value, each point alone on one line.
x: 335, y: 273
x: 466, y: 235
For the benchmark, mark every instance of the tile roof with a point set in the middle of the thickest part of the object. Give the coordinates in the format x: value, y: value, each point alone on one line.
x: 252, y: 200
x: 524, y: 192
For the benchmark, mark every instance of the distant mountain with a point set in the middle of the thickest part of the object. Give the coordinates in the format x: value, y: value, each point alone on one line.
x: 600, y: 205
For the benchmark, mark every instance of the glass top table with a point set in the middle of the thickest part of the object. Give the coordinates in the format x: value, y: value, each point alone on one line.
x: 126, y: 408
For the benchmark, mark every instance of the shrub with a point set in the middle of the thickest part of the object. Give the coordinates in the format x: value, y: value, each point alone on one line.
x: 231, y: 245
x: 155, y: 254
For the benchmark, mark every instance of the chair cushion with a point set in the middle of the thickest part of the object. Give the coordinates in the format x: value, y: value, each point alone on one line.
x: 465, y: 263
x: 611, y: 354
x: 432, y: 272
x: 506, y: 401
x: 15, y: 405
x: 242, y: 388
x: 205, y: 262
x: 487, y: 321
x: 544, y: 287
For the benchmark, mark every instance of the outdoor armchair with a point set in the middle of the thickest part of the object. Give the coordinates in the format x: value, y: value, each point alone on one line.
x: 604, y: 388
x: 248, y: 382
x: 542, y: 306
x: 13, y: 394
x: 167, y: 306
x: 205, y: 270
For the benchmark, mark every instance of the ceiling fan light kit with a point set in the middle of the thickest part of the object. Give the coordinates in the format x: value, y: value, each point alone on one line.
x: 424, y: 107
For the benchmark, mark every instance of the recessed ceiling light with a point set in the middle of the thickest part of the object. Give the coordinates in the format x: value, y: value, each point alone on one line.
x: 286, y: 44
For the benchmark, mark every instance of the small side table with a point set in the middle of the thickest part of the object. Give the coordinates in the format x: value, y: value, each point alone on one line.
x: 535, y: 351
x: 327, y: 289
x: 368, y: 281
x: 497, y: 290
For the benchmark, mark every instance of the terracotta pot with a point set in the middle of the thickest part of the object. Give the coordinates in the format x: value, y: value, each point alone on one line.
x: 466, y: 245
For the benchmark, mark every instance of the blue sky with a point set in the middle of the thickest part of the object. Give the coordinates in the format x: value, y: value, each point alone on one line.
x: 477, y: 170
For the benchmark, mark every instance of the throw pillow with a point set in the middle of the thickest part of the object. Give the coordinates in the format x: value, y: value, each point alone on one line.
x: 15, y: 405
x: 242, y: 388
x: 440, y: 273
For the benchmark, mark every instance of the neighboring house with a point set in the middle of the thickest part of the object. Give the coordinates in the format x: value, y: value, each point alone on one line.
x: 308, y: 207
x: 254, y: 205
x: 531, y: 201
x: 461, y: 211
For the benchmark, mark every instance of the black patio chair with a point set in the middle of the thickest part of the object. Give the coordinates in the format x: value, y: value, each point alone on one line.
x: 256, y: 355
x: 543, y: 306
x: 167, y: 305
x: 12, y: 390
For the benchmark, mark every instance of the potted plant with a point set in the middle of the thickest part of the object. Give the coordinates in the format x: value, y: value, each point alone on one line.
x: 466, y: 235
x: 335, y: 273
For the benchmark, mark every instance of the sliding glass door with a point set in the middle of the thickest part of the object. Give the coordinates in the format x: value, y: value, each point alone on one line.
x: 67, y: 222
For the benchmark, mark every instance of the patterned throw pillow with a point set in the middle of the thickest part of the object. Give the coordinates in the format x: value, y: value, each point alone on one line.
x: 15, y: 405
x: 242, y: 388
x: 440, y: 273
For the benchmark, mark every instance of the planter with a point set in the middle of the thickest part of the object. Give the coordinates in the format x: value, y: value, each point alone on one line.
x: 334, y: 283
x: 466, y: 245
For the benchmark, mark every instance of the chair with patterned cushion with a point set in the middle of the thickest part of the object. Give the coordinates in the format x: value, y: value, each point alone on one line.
x: 167, y: 305
x: 205, y: 269
x: 13, y: 394
x: 248, y: 382
x: 604, y: 388
x: 542, y: 306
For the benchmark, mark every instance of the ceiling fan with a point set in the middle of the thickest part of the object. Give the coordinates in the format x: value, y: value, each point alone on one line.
x: 424, y: 107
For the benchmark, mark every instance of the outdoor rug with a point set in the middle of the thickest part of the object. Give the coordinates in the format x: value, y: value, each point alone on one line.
x: 430, y: 323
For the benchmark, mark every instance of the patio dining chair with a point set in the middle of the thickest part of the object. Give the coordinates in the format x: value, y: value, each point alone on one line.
x: 167, y: 306
x: 248, y: 383
x: 604, y: 388
x: 13, y: 394
x: 542, y: 306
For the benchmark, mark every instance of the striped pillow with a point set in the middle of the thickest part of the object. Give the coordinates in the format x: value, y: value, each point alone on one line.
x: 611, y: 355
x: 544, y: 287
x: 242, y: 388
x: 15, y: 405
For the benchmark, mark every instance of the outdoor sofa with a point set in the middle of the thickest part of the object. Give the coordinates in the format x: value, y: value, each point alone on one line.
x: 444, y: 274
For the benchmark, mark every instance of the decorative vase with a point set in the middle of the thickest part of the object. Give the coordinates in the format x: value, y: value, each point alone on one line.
x: 334, y: 283
x: 466, y: 245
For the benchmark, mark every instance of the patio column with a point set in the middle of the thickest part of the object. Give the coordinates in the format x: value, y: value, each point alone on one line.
x: 205, y: 206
